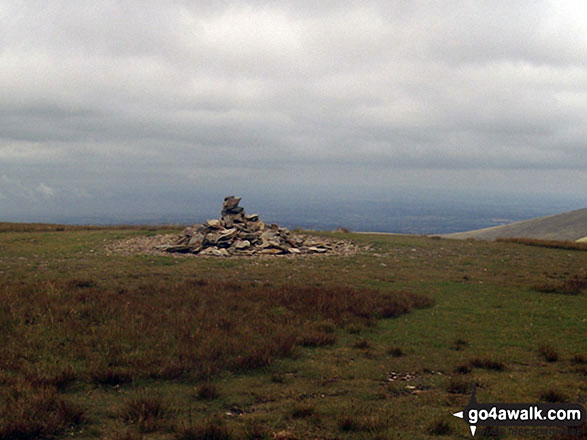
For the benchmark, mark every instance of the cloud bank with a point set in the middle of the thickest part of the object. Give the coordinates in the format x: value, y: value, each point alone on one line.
x: 149, y: 97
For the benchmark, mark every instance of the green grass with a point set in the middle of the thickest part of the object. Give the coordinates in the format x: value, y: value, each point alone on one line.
x: 382, y: 344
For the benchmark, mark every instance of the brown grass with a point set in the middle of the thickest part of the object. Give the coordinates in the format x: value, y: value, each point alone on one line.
x: 440, y: 427
x: 207, y: 391
x: 362, y: 344
x: 395, y: 351
x: 457, y: 386
x: 303, y: 411
x: 554, y: 244
x: 553, y: 396
x: 487, y: 364
x: 145, y: 411
x: 463, y: 369
x: 51, y: 227
x: 574, y: 285
x: 29, y: 411
x: 213, y: 429
x: 460, y: 344
x: 186, y: 329
x: 548, y: 353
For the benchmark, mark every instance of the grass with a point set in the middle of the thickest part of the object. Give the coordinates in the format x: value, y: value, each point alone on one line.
x: 207, y: 391
x: 554, y: 244
x: 145, y: 410
x: 574, y: 285
x: 114, y: 346
x: 548, y: 353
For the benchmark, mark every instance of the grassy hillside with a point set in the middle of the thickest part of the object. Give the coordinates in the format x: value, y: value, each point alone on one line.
x: 379, y: 345
x: 569, y: 226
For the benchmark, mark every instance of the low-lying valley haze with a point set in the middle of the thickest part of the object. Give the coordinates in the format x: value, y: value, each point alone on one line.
x: 409, y: 117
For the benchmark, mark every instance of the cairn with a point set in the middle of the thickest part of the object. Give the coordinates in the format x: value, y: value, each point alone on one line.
x: 239, y: 233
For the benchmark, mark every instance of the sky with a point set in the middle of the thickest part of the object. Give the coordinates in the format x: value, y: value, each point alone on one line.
x: 135, y: 107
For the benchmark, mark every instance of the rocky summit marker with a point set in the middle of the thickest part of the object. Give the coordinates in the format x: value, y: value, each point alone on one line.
x: 239, y: 233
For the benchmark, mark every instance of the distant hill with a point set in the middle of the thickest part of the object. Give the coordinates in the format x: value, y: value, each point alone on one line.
x: 568, y: 226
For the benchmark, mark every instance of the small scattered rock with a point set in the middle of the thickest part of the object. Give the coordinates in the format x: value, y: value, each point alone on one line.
x: 235, y: 233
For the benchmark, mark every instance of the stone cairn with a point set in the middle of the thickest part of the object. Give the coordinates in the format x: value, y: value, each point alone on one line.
x: 239, y: 233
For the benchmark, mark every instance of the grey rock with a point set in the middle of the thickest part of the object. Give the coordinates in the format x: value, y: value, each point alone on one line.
x: 196, y: 240
x: 230, y: 202
x: 242, y: 244
x: 214, y: 223
x: 228, y: 234
x: 179, y: 248
x: 211, y: 238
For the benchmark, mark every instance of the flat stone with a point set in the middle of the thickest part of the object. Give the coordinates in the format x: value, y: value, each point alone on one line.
x: 211, y: 238
x: 250, y: 236
x: 182, y: 249
x: 270, y: 251
x: 294, y: 250
x: 256, y: 226
x: 214, y: 252
x: 196, y: 240
x: 317, y: 249
x: 228, y: 234
x: 252, y: 217
x: 214, y: 223
x: 242, y: 244
x: 231, y: 202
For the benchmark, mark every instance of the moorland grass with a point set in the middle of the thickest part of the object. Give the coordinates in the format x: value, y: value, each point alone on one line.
x: 114, y: 346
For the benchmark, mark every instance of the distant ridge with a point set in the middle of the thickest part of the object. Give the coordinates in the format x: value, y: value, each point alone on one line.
x: 568, y: 226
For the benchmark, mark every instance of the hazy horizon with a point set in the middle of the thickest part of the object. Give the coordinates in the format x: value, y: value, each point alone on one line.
x: 410, y: 212
x: 141, y: 110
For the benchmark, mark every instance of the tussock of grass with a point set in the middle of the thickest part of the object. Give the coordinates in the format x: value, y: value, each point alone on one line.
x: 303, y: 411
x: 553, y: 396
x: 128, y: 434
x: 487, y: 364
x: 457, y: 386
x: 548, y: 353
x: 362, y: 344
x: 60, y: 379
x: 316, y: 339
x: 570, y: 286
x: 256, y: 431
x: 395, y: 351
x: 207, y: 391
x: 460, y: 344
x: 28, y: 412
x: 350, y: 424
x: 580, y: 359
x: 213, y: 429
x: 145, y: 411
x: 463, y: 369
x: 109, y: 376
x: 440, y: 427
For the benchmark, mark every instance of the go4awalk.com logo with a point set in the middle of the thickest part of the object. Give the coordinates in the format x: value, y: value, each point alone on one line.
x: 521, y: 414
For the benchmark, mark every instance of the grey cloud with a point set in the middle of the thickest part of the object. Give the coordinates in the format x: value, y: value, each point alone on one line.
x: 99, y: 95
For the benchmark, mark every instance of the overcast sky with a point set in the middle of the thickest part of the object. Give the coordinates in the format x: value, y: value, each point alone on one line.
x: 109, y: 102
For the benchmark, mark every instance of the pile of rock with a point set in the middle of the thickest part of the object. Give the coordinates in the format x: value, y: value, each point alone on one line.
x: 239, y: 233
